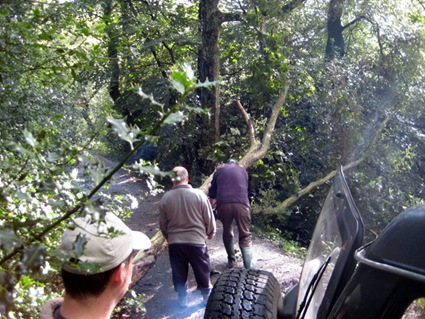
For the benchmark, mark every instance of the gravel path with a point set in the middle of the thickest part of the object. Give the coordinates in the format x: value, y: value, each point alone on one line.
x: 156, y: 285
x: 160, y: 296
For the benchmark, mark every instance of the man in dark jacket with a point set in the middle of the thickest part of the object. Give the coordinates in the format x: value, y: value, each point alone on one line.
x: 229, y: 194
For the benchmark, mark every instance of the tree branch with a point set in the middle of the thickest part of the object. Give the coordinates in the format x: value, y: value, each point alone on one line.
x: 257, y: 149
x: 145, y: 260
x: 251, y: 130
x: 228, y: 17
x: 354, y: 22
x: 260, y: 149
x: 292, y: 5
x: 306, y: 190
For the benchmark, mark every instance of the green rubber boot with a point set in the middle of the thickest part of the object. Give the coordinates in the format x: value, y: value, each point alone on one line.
x: 231, y: 258
x: 247, y: 257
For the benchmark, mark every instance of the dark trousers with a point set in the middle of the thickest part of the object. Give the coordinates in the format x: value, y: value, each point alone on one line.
x: 183, y: 255
x: 241, y: 214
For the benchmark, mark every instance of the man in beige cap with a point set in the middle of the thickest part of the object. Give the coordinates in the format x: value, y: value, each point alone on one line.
x: 97, y: 268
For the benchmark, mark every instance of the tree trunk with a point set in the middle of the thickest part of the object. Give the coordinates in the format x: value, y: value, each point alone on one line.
x: 208, y: 65
x: 335, y: 44
x: 114, y: 90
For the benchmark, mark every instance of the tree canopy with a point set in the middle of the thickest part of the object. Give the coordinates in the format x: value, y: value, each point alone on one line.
x: 295, y: 89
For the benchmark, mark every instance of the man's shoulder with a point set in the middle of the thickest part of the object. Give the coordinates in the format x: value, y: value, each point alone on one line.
x: 199, y: 193
x: 182, y: 189
x: 230, y: 168
x: 166, y: 195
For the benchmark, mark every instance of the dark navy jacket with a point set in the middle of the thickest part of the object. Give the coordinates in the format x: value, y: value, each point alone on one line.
x: 230, y: 185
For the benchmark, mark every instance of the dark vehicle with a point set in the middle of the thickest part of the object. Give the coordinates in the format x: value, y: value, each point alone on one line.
x: 339, y: 279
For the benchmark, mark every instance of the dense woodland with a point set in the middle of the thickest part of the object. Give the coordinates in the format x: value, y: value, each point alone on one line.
x: 294, y: 89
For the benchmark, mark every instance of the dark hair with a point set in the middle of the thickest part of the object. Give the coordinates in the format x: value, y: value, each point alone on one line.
x: 82, y: 286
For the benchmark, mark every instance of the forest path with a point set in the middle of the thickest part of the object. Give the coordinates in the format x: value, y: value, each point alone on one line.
x: 160, y: 298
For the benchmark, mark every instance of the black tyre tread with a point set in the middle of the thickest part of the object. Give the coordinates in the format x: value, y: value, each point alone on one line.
x: 243, y: 294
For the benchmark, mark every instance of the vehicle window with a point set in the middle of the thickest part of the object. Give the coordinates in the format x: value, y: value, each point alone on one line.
x: 329, y: 261
x: 321, y: 259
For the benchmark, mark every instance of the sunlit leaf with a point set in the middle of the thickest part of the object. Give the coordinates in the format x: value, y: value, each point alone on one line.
x: 183, y: 79
x: 174, y: 118
x: 178, y: 85
x: 79, y: 245
x: 125, y: 132
x: 150, y: 97
x: 53, y: 157
x: 30, y: 138
x: 206, y: 83
x: 188, y: 70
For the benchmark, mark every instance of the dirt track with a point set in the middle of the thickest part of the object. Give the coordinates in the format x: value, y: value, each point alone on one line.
x: 161, y: 298
x: 156, y: 285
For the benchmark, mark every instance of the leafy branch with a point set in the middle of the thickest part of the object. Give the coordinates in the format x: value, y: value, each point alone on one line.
x: 184, y: 82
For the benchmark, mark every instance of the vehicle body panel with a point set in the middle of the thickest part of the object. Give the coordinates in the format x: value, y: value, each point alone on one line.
x: 341, y: 280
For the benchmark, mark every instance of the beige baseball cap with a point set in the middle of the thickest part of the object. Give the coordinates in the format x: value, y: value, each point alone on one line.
x: 92, y: 248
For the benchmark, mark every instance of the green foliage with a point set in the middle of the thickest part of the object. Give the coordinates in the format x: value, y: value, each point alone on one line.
x: 126, y: 133
x: 275, y: 235
x: 132, y: 302
x: 421, y: 303
x: 46, y: 180
x: 57, y: 63
x: 37, y: 184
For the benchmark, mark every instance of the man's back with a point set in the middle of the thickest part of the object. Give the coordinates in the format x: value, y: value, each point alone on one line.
x: 230, y: 185
x: 185, y: 215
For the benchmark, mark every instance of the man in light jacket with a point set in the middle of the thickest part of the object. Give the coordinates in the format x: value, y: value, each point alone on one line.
x: 186, y: 221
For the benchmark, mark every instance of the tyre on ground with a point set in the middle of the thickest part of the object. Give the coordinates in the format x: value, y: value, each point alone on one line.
x: 242, y: 294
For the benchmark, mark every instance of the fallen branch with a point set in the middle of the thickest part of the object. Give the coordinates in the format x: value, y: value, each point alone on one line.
x: 281, y: 208
x: 256, y: 151
x: 145, y: 260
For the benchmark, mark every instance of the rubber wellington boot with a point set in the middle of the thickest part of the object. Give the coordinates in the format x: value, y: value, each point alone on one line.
x: 231, y: 258
x: 182, y: 301
x: 247, y: 257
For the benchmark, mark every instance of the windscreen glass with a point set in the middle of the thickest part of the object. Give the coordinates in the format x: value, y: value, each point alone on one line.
x: 334, y: 234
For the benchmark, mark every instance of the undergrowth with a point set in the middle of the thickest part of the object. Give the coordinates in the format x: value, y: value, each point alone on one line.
x: 275, y: 236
